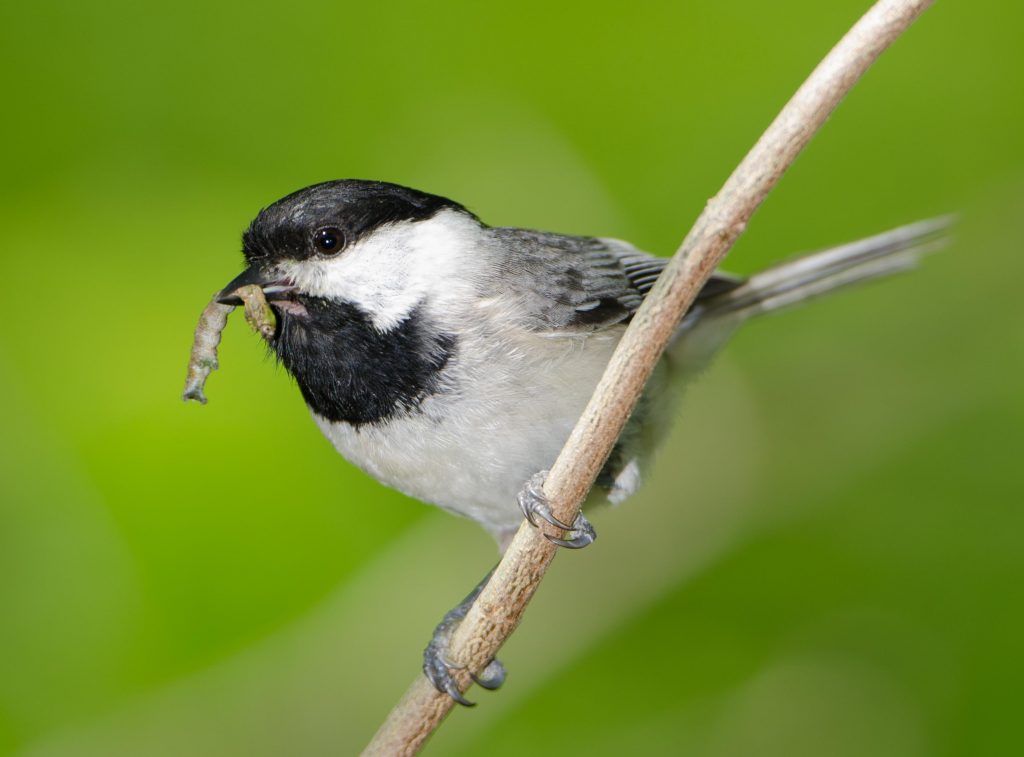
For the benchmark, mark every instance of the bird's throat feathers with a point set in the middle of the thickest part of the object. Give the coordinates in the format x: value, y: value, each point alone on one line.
x: 351, y: 370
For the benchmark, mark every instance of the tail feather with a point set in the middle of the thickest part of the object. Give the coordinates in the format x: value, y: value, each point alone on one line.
x: 727, y: 301
x: 811, y: 275
x: 714, y: 318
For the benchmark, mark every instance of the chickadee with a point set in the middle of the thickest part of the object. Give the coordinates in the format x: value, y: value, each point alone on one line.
x: 450, y: 359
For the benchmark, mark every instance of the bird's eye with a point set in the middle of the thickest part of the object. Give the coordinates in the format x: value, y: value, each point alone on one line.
x: 329, y: 239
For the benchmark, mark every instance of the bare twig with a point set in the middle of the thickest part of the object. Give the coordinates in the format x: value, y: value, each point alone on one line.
x: 499, y: 607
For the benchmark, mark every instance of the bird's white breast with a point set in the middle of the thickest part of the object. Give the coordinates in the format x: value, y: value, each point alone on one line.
x: 511, y: 400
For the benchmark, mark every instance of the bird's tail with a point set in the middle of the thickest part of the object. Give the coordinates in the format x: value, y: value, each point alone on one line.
x: 809, y: 276
x: 726, y: 304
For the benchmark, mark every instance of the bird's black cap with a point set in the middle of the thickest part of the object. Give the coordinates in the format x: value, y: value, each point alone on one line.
x: 354, y: 207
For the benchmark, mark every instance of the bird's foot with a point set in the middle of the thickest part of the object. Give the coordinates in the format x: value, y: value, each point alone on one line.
x: 534, y: 504
x: 438, y: 669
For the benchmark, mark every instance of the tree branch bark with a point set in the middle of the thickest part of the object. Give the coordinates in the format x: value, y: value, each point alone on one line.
x: 499, y: 607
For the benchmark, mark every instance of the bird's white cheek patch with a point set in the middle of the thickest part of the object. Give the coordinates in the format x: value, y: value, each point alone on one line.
x: 387, y: 300
x: 307, y: 276
x: 391, y: 272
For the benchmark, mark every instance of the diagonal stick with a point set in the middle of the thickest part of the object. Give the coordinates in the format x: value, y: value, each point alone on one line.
x: 499, y: 607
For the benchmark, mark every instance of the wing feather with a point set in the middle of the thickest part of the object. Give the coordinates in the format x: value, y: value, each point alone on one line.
x: 580, y: 283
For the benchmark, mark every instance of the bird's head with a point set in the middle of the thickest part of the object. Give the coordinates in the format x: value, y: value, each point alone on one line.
x: 362, y: 276
x: 379, y: 247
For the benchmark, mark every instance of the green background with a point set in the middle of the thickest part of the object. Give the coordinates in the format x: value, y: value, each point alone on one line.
x: 828, y: 559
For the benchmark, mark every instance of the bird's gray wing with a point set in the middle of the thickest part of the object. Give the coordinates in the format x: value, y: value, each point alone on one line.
x: 568, y: 283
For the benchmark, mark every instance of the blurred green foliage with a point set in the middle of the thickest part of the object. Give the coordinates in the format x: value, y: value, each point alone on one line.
x: 829, y: 558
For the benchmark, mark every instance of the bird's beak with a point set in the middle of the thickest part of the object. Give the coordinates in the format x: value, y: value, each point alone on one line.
x: 269, y: 283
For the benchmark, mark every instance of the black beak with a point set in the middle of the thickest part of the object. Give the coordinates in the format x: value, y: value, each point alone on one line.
x: 271, y: 285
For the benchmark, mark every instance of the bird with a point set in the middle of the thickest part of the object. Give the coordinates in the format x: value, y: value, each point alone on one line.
x: 450, y: 359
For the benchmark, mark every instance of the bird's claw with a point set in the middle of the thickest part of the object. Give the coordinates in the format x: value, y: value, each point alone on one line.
x: 584, y: 538
x: 491, y: 677
x: 438, y: 668
x: 534, y: 503
x: 437, y: 671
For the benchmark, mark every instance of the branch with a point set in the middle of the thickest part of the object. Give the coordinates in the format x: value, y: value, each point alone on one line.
x: 499, y: 607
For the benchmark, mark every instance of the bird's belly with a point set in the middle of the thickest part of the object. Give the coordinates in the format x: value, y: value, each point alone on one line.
x: 471, y: 451
x: 472, y: 469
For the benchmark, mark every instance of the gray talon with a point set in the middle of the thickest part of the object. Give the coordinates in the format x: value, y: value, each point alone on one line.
x: 452, y: 690
x: 490, y: 677
x: 443, y: 659
x: 438, y: 669
x: 586, y: 537
x: 534, y: 504
x: 435, y: 667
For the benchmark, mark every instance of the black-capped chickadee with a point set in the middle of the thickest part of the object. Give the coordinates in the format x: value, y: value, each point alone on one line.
x: 450, y: 359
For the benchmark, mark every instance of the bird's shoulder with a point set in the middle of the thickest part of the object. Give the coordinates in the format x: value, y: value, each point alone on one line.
x: 577, y: 283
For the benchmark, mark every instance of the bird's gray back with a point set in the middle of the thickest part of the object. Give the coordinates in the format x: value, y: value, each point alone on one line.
x: 570, y: 283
